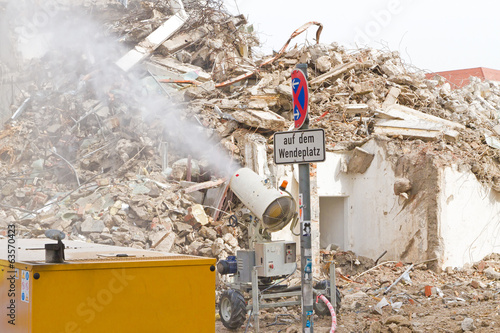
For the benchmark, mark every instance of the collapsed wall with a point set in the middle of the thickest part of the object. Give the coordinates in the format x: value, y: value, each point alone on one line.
x: 390, y: 205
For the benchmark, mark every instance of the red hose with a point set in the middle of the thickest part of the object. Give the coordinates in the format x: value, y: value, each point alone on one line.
x: 332, y: 311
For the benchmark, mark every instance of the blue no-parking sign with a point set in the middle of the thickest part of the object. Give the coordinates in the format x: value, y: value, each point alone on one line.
x: 300, y: 94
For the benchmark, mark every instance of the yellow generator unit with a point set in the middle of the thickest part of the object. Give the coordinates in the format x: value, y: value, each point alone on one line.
x: 79, y: 287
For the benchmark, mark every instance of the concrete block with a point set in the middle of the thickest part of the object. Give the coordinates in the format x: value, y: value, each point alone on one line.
x: 354, y: 109
x: 90, y: 225
x: 359, y: 161
x: 152, y: 42
x: 323, y: 64
x: 401, y: 185
x: 261, y: 119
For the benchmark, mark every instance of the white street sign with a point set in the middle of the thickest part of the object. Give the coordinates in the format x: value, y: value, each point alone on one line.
x: 305, y: 146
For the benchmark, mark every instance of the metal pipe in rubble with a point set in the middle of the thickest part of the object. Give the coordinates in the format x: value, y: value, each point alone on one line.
x: 332, y: 311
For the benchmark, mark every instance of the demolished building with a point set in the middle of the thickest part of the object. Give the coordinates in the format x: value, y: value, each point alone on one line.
x: 138, y: 154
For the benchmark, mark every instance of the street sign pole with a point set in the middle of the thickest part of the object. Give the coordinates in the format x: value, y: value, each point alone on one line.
x: 305, y: 234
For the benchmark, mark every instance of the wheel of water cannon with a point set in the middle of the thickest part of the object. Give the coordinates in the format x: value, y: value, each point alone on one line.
x: 232, y: 309
x: 320, y: 308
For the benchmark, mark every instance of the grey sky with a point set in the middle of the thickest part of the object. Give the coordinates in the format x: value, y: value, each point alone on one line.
x: 431, y: 34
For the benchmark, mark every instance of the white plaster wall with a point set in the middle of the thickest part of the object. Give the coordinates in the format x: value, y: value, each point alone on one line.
x: 470, y: 218
x: 332, y: 209
x: 374, y: 221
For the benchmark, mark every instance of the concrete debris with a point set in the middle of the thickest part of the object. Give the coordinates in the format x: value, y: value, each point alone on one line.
x: 402, y: 185
x: 452, y: 303
x: 468, y: 325
x: 261, y: 119
x: 360, y: 161
x: 154, y: 40
x: 82, y: 145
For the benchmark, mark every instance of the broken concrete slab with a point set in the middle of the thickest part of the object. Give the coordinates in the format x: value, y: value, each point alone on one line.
x: 354, y: 109
x: 180, y: 169
x: 208, y: 233
x: 285, y: 90
x: 153, y: 41
x: 360, y: 161
x: 391, y: 69
x: 496, y: 129
x: 261, y: 119
x: 183, y: 68
x: 332, y: 74
x: 163, y: 242
x: 335, y: 72
x: 205, y: 185
x: 182, y: 229
x: 263, y: 102
x: 363, y: 88
x: 391, y: 98
x: 184, y: 39
x: 406, y: 113
x: 414, y: 129
x: 414, y: 124
x: 91, y: 226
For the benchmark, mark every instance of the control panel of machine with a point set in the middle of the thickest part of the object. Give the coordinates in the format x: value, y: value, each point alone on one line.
x: 290, y: 253
x: 275, y: 258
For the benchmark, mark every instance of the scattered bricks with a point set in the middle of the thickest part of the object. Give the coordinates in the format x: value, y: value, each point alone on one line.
x: 40, y: 197
x: 428, y: 291
x: 81, y: 211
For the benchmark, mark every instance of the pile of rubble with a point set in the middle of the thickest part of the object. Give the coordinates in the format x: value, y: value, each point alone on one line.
x: 394, y: 297
x: 135, y: 148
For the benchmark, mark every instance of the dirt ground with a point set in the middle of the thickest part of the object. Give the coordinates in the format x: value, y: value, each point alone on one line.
x: 459, y: 300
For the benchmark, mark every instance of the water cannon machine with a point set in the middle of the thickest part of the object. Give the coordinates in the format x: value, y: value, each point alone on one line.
x: 262, y: 268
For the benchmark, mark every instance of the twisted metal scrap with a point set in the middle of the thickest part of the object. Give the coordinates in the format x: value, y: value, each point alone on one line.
x: 277, y: 56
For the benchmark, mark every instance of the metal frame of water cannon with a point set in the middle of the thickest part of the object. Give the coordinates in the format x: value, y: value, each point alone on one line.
x: 262, y: 268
